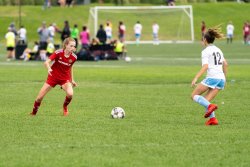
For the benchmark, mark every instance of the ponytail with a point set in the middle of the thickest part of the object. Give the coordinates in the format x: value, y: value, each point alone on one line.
x: 213, y: 33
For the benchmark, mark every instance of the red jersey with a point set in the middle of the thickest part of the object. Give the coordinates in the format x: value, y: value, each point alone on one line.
x: 61, y: 67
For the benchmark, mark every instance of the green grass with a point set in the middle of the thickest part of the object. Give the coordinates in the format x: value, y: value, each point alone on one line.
x: 32, y: 17
x: 163, y: 127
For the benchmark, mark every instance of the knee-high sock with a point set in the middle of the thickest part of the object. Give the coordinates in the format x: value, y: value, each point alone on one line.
x: 36, y: 107
x: 201, y: 100
x: 66, y: 101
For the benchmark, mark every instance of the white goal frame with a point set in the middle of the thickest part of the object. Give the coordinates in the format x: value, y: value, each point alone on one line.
x: 188, y: 10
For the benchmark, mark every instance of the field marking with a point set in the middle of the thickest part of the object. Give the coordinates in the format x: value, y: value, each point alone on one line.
x: 40, y: 64
x: 15, y: 63
x: 180, y: 59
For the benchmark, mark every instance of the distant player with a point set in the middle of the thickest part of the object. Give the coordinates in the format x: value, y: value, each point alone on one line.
x: 215, y: 65
x: 230, y: 32
x: 121, y: 31
x: 59, y: 73
x: 137, y: 31
x: 155, y: 28
x: 203, y: 29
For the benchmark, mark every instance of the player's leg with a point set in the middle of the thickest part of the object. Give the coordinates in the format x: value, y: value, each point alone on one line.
x: 196, y: 95
x: 44, y: 90
x: 210, y: 95
x: 67, y: 87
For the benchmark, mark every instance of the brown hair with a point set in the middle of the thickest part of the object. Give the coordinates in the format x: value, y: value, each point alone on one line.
x: 66, y: 41
x: 213, y: 33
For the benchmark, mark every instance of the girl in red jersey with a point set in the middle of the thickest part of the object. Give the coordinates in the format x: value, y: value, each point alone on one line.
x: 59, y: 73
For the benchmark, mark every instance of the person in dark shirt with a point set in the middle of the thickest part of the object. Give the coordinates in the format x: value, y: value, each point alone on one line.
x: 101, y: 35
x: 66, y: 31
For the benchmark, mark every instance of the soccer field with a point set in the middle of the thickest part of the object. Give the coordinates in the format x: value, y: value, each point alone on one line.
x: 162, y: 127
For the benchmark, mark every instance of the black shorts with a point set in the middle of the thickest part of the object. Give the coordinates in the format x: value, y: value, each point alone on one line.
x: 43, y: 45
x: 10, y: 48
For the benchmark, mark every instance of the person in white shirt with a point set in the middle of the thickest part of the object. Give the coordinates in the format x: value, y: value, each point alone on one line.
x: 230, y: 32
x: 214, y: 63
x: 137, y: 31
x: 52, y: 32
x: 22, y: 35
x: 108, y: 30
x: 155, y: 28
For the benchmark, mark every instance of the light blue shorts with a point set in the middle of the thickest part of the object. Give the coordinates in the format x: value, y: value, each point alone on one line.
x: 214, y: 83
x: 137, y: 35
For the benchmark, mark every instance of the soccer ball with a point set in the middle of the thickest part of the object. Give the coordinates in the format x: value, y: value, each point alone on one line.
x: 117, y: 112
x: 128, y: 59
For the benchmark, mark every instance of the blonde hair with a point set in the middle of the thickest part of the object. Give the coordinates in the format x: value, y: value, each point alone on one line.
x: 213, y: 33
x: 66, y: 41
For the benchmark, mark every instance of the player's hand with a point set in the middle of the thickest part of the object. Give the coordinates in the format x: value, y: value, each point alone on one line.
x: 193, y: 84
x: 74, y: 84
x: 49, y: 71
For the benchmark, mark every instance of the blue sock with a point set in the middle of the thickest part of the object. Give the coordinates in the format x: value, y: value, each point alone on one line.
x: 201, y: 100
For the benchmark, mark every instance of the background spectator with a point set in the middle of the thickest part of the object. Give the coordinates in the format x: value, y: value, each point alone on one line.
x: 44, y: 36
x: 101, y: 35
x: 10, y: 44
x: 66, y: 31
x: 22, y: 35
x: 75, y: 34
x: 84, y: 36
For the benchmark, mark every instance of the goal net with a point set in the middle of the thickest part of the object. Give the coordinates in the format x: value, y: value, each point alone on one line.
x: 175, y: 22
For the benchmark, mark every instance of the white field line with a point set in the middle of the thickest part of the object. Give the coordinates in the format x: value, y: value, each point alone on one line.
x: 16, y: 63
x: 41, y: 64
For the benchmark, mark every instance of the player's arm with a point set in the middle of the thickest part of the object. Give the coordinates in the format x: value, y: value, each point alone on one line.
x: 225, y: 65
x: 47, y: 65
x: 199, y: 74
x: 72, y: 77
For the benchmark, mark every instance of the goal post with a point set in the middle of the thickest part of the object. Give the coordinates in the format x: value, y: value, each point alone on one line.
x: 175, y: 22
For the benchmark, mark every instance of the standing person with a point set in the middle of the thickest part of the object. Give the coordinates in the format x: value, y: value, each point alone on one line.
x: 108, y: 30
x: 230, y: 32
x: 75, y: 34
x: 214, y: 63
x: 155, y: 28
x: 22, y: 35
x: 69, y: 3
x: 10, y: 44
x: 121, y: 31
x: 52, y: 32
x: 84, y: 36
x: 137, y: 31
x: 13, y: 28
x: 59, y: 73
x: 246, y: 32
x: 101, y: 35
x: 66, y: 31
x: 44, y: 36
x: 203, y: 29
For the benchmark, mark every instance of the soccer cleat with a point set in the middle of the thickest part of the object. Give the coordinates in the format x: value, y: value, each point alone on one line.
x: 211, y: 108
x: 33, y: 114
x: 65, y: 111
x: 212, y: 121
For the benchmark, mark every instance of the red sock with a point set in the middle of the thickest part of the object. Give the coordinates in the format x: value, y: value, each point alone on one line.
x: 36, y: 107
x: 66, y: 101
